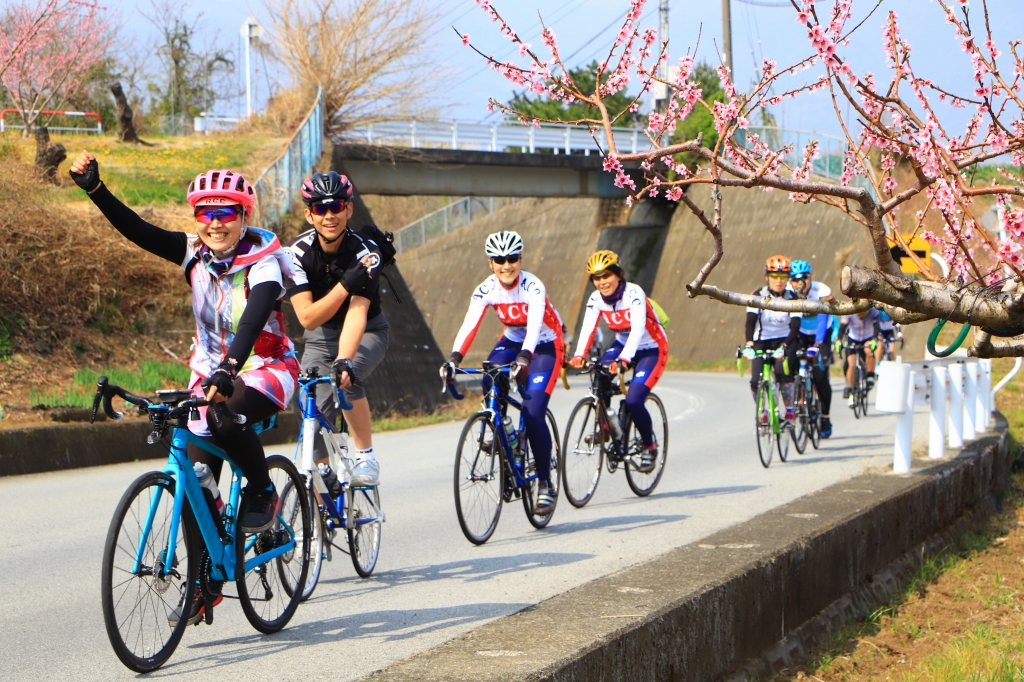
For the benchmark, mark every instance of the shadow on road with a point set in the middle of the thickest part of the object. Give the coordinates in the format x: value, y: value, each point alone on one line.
x: 394, y: 624
x: 615, y: 524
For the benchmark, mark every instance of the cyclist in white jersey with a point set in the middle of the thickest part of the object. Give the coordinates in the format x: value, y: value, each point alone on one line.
x: 532, y: 339
x: 888, y: 330
x: 861, y: 330
x: 768, y: 330
x: 640, y: 340
x: 813, y: 333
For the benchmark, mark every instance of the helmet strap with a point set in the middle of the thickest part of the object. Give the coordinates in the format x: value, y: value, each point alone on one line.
x: 329, y: 241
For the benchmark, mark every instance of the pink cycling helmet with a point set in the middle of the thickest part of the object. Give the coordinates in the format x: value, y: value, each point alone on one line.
x: 227, y: 186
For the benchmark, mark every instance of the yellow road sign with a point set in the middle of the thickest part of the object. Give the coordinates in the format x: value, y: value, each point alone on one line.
x: 920, y: 247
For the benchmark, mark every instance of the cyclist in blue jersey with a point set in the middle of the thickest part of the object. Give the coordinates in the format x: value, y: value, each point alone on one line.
x: 813, y: 334
x: 769, y: 330
x: 889, y: 331
x: 861, y: 330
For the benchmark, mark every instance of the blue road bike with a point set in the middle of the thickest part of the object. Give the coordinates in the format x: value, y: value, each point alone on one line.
x: 492, y: 468
x: 167, y: 542
x: 356, y: 510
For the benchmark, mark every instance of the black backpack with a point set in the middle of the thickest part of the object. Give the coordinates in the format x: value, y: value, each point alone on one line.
x: 383, y: 240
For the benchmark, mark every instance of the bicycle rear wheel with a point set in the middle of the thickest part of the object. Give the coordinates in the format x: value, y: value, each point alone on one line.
x: 479, y: 479
x: 363, y: 521
x: 137, y: 601
x: 641, y: 483
x: 800, y: 430
x: 814, y: 407
x: 781, y: 442
x: 531, y: 488
x: 857, y: 373
x: 763, y: 430
x: 318, y: 528
x: 267, y: 604
x: 582, y: 453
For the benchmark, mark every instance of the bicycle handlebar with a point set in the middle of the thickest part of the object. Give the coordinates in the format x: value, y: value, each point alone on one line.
x: 311, y: 377
x: 105, y: 391
x: 448, y: 382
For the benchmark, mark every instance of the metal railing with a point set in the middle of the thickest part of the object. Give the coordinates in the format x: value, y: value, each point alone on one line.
x: 500, y: 136
x: 444, y: 220
x: 278, y: 186
x: 207, y: 123
x: 831, y: 149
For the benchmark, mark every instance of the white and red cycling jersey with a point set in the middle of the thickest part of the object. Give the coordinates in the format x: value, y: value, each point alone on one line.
x: 632, y: 318
x: 525, y: 310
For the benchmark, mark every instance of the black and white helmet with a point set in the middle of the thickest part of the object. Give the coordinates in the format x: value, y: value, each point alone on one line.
x: 502, y: 244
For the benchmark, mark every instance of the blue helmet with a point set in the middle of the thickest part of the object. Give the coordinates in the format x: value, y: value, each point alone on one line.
x: 799, y: 269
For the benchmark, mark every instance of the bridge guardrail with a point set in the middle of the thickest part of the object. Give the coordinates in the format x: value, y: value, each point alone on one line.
x: 278, y: 185
x: 445, y: 219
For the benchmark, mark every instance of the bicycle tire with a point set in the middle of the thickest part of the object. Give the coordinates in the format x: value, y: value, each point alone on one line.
x: 763, y: 432
x: 643, y: 484
x: 576, y: 469
x: 164, y: 639
x: 856, y: 391
x: 476, y: 510
x: 317, y: 545
x: 799, y: 431
x: 815, y: 407
x: 781, y: 442
x: 363, y: 538
x: 530, y: 489
x: 263, y: 606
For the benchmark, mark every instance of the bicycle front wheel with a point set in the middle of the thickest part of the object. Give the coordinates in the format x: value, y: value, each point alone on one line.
x: 267, y: 604
x: 643, y: 483
x: 814, y: 408
x: 801, y: 429
x: 531, y: 488
x: 363, y: 519
x: 763, y: 424
x: 142, y: 585
x: 857, y: 375
x: 318, y: 529
x: 479, y: 479
x: 583, y: 453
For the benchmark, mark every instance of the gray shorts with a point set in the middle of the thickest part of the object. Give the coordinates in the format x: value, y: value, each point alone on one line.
x: 322, y: 349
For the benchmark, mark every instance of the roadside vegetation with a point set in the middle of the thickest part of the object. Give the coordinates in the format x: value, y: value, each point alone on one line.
x: 961, y: 615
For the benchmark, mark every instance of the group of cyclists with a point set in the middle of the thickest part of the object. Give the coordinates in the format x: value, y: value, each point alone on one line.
x: 791, y: 332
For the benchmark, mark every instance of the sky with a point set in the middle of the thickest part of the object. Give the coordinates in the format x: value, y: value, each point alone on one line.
x: 585, y: 29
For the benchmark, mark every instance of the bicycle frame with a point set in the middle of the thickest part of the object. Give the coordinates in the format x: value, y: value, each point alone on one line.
x: 220, y: 548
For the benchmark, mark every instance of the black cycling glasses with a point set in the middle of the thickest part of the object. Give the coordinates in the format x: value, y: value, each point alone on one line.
x: 798, y: 278
x: 335, y: 207
x: 501, y: 260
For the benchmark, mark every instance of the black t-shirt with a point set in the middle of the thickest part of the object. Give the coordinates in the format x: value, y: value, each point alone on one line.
x: 310, y: 264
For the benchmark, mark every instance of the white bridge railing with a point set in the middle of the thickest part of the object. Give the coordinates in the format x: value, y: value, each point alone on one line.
x: 500, y: 136
x: 442, y: 221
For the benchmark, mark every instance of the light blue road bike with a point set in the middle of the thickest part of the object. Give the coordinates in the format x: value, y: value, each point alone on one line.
x: 167, y: 541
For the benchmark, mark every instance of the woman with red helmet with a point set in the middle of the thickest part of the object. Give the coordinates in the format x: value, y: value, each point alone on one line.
x: 241, y: 353
x: 769, y: 330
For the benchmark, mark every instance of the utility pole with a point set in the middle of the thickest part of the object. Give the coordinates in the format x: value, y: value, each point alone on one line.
x: 661, y: 91
x: 727, y: 36
x: 250, y: 29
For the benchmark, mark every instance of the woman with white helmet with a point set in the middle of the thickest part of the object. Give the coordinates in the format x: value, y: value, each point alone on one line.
x: 532, y: 339
x: 241, y: 354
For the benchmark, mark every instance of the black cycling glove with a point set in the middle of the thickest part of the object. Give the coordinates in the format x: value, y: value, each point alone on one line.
x: 455, y: 358
x: 223, y: 378
x: 522, y: 368
x: 343, y: 365
x: 354, y: 279
x: 90, y: 179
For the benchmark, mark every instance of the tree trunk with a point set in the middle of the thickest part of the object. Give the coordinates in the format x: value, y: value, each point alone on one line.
x: 48, y: 156
x: 125, y: 124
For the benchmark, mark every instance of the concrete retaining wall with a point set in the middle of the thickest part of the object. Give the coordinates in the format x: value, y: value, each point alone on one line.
x: 705, y: 610
x: 70, y: 446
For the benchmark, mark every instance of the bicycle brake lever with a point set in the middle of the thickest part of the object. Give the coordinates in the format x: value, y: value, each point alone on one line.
x: 100, y: 385
x: 454, y: 392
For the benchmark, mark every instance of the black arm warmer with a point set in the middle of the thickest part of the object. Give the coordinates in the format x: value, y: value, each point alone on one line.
x: 258, y: 310
x: 877, y: 328
x: 751, y: 324
x: 842, y: 331
x: 794, y: 331
x: 168, y: 245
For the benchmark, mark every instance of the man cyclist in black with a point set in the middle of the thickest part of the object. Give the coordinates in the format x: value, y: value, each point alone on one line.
x: 337, y: 299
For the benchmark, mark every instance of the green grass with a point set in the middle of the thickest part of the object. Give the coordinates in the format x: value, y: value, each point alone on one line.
x: 983, y: 653
x: 150, y: 376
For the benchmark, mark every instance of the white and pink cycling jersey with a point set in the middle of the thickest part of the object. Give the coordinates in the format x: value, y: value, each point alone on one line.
x: 525, y: 310
x: 645, y: 333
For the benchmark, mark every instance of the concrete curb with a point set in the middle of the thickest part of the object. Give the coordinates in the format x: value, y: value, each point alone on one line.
x: 751, y: 597
x: 70, y: 446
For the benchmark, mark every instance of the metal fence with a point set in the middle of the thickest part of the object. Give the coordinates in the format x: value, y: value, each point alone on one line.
x: 500, y: 136
x: 444, y: 220
x: 207, y: 123
x: 831, y: 149
x: 278, y: 186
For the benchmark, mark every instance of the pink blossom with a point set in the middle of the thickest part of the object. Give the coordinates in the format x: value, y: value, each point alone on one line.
x: 674, y: 194
x: 465, y: 39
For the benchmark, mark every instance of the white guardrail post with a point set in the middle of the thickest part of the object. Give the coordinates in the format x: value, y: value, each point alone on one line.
x: 985, y: 394
x: 937, y: 422
x: 970, y: 400
x: 903, y: 448
x: 956, y: 405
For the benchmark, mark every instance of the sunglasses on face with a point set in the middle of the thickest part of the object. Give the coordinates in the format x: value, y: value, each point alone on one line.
x: 501, y: 260
x: 800, y: 280
x: 601, y: 276
x: 224, y: 215
x: 335, y: 207
x: 778, y: 275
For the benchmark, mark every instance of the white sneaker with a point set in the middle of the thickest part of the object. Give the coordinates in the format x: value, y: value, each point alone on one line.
x: 365, y: 473
x: 851, y: 400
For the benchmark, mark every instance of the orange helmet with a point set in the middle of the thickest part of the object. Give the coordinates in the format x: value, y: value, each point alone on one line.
x: 776, y: 264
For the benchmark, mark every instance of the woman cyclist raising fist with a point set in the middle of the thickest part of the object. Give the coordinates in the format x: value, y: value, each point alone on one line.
x: 532, y: 338
x: 640, y: 340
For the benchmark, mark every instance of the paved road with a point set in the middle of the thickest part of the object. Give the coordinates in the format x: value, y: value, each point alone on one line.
x: 430, y: 584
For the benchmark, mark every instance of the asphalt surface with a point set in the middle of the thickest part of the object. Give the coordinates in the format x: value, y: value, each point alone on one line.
x: 430, y: 584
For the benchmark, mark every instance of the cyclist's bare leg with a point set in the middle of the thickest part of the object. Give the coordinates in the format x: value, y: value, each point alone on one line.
x: 869, y: 358
x: 850, y: 365
x: 359, y: 424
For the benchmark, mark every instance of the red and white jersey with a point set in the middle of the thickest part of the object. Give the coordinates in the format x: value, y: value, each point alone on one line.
x: 632, y: 318
x: 525, y: 310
